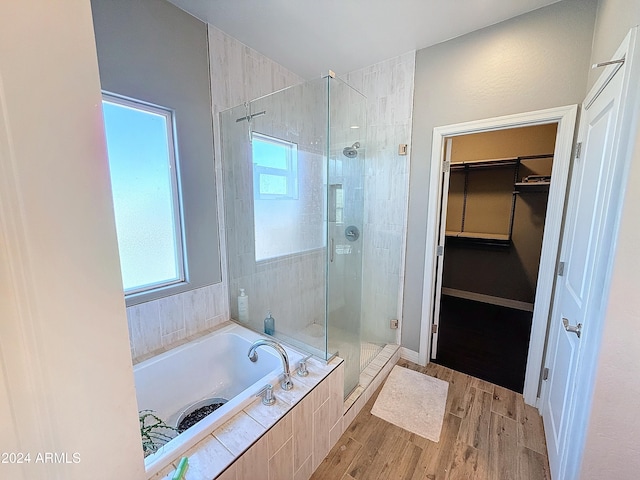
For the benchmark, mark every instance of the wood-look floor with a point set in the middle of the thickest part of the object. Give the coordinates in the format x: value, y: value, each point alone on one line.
x: 488, y: 433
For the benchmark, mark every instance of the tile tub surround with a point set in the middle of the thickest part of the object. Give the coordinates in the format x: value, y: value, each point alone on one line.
x: 214, y: 365
x: 285, y: 441
x: 161, y: 324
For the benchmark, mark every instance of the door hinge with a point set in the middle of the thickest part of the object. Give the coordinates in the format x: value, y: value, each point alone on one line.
x: 578, y: 149
x: 434, y: 328
x: 560, y: 269
x: 440, y: 250
x: 446, y: 165
x: 545, y: 373
x: 393, y: 324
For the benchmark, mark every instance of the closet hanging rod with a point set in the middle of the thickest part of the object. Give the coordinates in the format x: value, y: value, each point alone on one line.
x: 498, y: 161
x: 611, y: 62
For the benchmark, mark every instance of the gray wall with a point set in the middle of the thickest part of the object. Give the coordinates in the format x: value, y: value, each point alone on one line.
x: 151, y: 50
x: 613, y: 21
x: 535, y: 61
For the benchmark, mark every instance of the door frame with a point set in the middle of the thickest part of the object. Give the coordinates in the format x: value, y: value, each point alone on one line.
x: 565, y: 118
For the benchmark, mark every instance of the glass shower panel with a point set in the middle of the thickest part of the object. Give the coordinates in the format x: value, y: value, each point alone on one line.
x: 274, y: 170
x: 345, y: 222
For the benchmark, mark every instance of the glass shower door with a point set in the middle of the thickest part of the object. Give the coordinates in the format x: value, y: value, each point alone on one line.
x: 345, y: 222
x: 274, y: 172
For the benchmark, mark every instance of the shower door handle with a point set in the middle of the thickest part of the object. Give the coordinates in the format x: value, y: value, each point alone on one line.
x: 331, y: 251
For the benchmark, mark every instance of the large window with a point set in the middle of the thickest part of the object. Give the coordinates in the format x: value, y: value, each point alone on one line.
x: 144, y: 181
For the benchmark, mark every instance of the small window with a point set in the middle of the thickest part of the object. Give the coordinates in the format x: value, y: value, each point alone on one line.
x: 281, y: 216
x: 144, y: 182
x: 275, y: 168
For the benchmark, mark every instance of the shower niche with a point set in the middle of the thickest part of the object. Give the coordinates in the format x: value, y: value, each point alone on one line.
x: 293, y: 189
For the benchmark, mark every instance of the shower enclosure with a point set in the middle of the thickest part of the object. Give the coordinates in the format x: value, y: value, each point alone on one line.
x: 293, y: 184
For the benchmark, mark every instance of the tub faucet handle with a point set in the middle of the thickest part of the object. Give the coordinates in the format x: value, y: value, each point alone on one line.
x: 302, y: 367
x: 268, y: 398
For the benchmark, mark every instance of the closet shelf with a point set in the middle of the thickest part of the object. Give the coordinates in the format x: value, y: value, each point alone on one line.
x: 480, y: 297
x: 535, y: 183
x: 480, y: 237
x: 521, y: 187
x: 497, y: 162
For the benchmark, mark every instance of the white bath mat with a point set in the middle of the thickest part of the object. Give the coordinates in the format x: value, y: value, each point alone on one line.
x: 413, y: 401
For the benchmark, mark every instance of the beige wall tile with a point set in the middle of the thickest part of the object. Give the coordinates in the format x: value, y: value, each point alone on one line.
x: 207, y: 459
x: 145, y: 328
x: 171, y: 313
x: 336, y: 394
x: 336, y: 432
x: 229, y: 473
x: 165, y: 473
x: 320, y: 394
x: 321, y: 438
x: 302, y: 432
x: 281, y: 463
x: 305, y: 471
x: 268, y: 415
x: 359, y: 403
x: 279, y: 434
x: 349, y: 417
x: 254, y: 464
x: 293, y: 396
x: 239, y: 432
x: 171, y: 338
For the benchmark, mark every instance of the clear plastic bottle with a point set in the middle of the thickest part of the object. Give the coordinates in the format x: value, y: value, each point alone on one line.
x: 269, y: 325
x: 243, y: 307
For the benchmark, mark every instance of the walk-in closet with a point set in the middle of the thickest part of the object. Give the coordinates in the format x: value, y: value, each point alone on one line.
x: 494, y: 209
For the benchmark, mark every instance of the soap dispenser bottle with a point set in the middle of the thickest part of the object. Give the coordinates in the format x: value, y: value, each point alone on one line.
x: 243, y: 307
x: 269, y: 324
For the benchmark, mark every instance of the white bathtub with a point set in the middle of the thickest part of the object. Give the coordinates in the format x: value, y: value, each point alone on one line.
x: 215, y: 365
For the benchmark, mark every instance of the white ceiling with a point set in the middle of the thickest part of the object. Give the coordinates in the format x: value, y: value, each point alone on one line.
x: 310, y: 37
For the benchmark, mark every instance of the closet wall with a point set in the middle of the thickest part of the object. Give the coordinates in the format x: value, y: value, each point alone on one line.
x: 509, y: 270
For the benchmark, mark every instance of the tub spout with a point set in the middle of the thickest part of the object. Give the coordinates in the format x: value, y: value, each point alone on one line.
x: 286, y: 383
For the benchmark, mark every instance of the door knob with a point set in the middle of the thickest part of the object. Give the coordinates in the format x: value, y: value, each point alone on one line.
x: 577, y: 329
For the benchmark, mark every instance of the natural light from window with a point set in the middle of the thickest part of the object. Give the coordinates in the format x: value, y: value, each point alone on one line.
x: 275, y: 164
x: 277, y: 208
x: 144, y: 182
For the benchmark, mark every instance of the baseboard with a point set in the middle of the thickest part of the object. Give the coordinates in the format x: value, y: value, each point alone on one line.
x: 409, y: 355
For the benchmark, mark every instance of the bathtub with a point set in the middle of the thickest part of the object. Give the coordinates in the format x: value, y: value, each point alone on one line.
x: 213, y: 366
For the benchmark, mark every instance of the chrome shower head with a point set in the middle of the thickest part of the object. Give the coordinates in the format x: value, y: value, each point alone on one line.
x: 352, y: 151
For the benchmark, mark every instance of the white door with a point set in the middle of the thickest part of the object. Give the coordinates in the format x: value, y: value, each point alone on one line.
x: 586, y: 252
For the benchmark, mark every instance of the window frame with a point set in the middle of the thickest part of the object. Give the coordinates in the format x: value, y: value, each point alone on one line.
x: 176, y: 191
